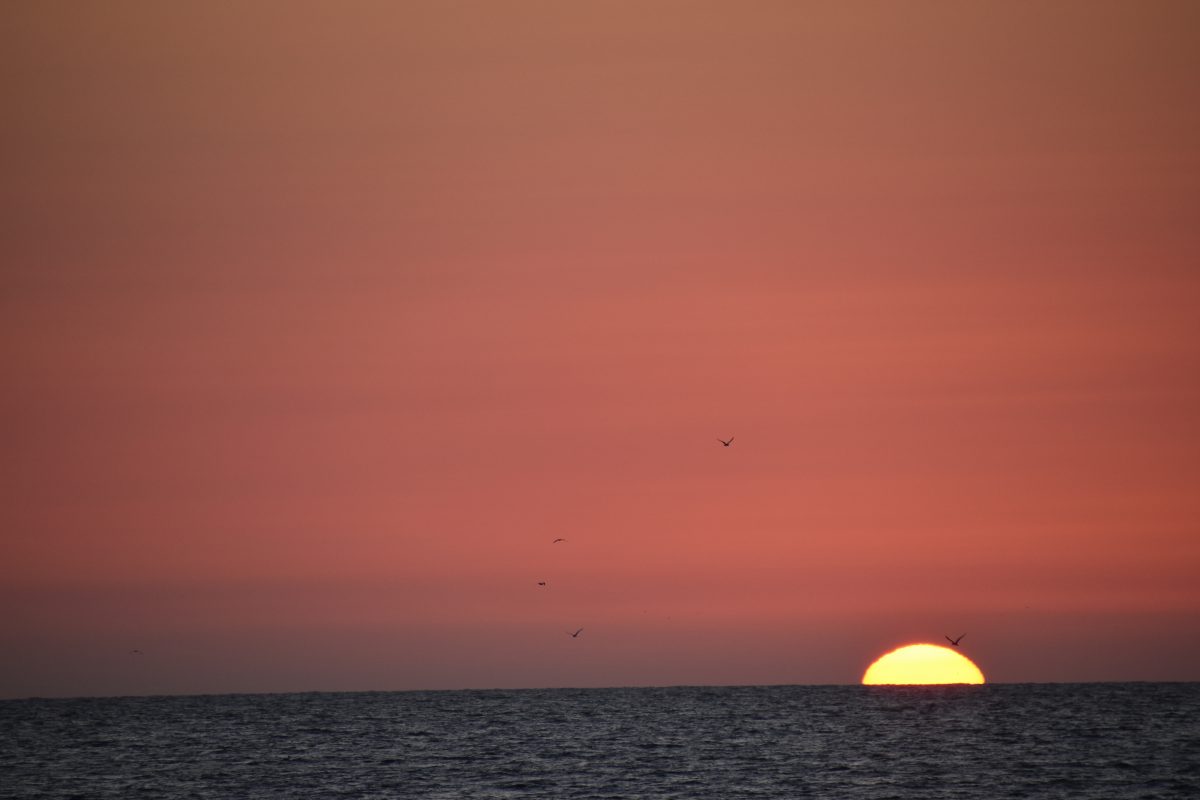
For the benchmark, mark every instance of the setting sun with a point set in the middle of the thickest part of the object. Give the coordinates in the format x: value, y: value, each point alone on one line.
x: 922, y: 664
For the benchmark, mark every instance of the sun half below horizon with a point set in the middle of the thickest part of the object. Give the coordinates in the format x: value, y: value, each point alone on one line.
x: 922, y: 664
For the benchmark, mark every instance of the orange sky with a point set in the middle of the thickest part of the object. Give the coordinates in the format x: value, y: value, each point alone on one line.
x: 318, y: 322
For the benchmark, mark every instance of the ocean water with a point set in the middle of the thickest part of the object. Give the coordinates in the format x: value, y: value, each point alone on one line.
x: 993, y: 741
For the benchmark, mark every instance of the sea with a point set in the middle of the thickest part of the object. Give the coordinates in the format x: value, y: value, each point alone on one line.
x: 1117, y: 740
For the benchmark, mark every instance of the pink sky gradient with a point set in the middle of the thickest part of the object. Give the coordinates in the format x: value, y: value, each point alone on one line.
x: 318, y: 322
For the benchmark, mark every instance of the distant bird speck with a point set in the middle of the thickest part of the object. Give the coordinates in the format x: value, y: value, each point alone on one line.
x: 135, y: 652
x: 556, y: 541
x: 575, y: 635
x: 955, y: 641
x: 541, y: 583
x: 726, y: 442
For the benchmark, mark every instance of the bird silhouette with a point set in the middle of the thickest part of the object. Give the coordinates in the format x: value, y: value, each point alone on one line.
x: 726, y: 442
x: 575, y: 635
x: 556, y: 541
x: 541, y: 583
x: 955, y: 641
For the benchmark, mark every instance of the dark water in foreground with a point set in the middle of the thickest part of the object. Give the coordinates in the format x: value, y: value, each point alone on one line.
x: 995, y: 741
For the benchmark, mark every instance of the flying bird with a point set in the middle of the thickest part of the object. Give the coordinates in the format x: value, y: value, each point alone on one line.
x: 541, y: 583
x: 955, y: 641
x: 726, y: 442
x: 575, y: 635
x: 556, y: 541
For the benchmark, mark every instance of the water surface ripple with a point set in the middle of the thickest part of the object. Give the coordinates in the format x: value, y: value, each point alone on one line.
x: 993, y: 741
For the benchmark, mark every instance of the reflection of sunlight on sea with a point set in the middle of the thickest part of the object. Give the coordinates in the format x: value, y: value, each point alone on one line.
x: 1035, y: 741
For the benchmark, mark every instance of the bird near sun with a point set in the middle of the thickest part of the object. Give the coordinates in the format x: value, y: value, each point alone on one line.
x: 922, y: 664
x: 955, y: 641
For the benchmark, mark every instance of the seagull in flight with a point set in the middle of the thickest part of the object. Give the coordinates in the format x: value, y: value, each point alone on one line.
x: 726, y: 442
x: 556, y: 541
x: 955, y: 641
x: 575, y: 635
